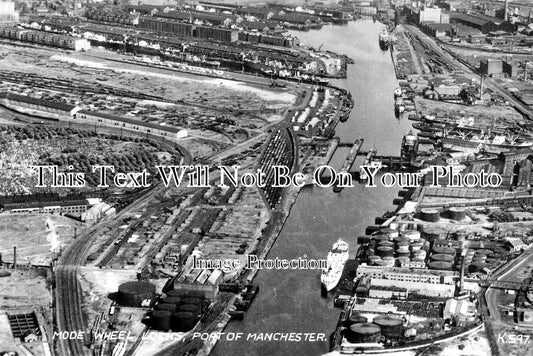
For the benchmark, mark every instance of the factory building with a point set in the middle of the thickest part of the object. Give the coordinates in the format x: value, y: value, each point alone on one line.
x: 406, y: 274
x: 483, y: 24
x: 38, y: 107
x: 113, y: 16
x: 166, y: 25
x: 433, y: 14
x: 461, y: 309
x: 131, y: 124
x: 421, y: 288
x: 76, y: 207
x: 491, y: 67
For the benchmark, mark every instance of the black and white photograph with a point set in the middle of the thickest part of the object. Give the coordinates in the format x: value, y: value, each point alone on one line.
x: 266, y: 177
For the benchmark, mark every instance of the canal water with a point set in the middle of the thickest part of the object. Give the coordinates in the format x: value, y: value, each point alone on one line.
x: 290, y: 301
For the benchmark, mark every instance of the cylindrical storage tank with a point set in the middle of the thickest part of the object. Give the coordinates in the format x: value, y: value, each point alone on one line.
x: 432, y: 233
x: 354, y: 318
x: 440, y: 265
x: 429, y: 215
x: 373, y: 259
x: 419, y: 255
x: 389, y: 261
x: 391, y: 326
x: 442, y: 257
x: 380, y: 237
x: 170, y: 300
x: 402, y: 260
x: 168, y: 307
x: 385, y: 251
x: 391, y: 233
x: 412, y: 235
x: 476, y: 267
x: 444, y: 250
x: 191, y: 300
x: 401, y: 253
x: 416, y: 246
x: 362, y: 333
x: 500, y: 250
x: 161, y: 320
x: 386, y: 243
x: 175, y: 293
x: 484, y: 251
x: 380, y: 263
x: 132, y: 294
x: 183, y: 321
x: 192, y: 308
x: 457, y: 213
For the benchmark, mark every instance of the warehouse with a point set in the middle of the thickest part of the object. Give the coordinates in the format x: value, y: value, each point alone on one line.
x: 131, y: 124
x: 48, y: 207
x: 38, y: 107
x: 44, y: 38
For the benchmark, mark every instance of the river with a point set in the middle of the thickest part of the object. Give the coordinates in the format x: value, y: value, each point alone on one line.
x: 290, y: 301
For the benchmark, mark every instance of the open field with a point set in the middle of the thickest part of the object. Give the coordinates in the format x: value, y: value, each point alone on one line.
x: 34, y: 236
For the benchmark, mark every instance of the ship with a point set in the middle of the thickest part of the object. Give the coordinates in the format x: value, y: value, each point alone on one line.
x: 337, y: 258
x: 384, y: 40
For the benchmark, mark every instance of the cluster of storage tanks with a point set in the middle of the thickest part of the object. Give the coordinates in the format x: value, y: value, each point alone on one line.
x: 399, y: 246
x: 433, y: 215
x: 177, y: 311
x: 358, y: 329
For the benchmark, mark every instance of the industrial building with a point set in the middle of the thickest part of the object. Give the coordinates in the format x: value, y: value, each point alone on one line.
x: 131, y: 124
x: 76, y: 207
x: 38, y: 107
x: 45, y: 38
x: 461, y: 309
x: 406, y: 274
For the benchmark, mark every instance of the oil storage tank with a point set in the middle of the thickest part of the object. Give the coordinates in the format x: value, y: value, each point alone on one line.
x: 183, y: 321
x: 457, y: 213
x: 195, y: 309
x: 354, y: 318
x: 132, y: 294
x: 168, y: 307
x: 170, y: 300
x: 362, y: 332
x: 161, y: 320
x: 429, y: 215
x: 391, y: 326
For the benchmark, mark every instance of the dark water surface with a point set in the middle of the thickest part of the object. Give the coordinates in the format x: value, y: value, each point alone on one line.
x: 290, y: 301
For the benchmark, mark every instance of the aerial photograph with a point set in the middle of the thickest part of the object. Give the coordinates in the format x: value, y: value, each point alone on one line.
x: 266, y: 177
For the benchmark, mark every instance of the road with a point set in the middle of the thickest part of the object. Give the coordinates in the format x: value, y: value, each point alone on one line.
x: 490, y: 83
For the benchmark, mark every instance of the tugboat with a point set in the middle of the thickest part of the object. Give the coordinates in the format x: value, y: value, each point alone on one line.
x: 337, y: 258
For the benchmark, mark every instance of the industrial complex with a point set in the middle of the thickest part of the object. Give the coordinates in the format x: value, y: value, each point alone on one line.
x: 172, y: 171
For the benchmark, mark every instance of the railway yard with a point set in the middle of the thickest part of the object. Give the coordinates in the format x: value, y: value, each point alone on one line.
x: 152, y: 234
x: 143, y: 265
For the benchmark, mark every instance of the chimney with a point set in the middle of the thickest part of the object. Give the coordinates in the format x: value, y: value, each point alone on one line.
x: 14, y: 257
x: 481, y: 87
x: 505, y: 11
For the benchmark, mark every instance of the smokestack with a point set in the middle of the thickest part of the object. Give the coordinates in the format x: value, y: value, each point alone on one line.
x: 14, y: 256
x: 505, y: 11
x: 481, y: 87
x: 462, y: 276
